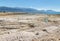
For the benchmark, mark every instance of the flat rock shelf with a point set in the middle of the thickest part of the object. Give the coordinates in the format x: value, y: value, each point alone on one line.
x: 26, y: 27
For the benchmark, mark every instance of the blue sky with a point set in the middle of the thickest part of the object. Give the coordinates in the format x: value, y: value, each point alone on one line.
x: 37, y: 4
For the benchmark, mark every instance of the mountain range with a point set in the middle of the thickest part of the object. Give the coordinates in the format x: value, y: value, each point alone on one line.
x: 27, y: 10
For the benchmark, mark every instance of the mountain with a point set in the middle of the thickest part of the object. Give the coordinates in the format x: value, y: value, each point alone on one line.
x: 49, y: 12
x: 9, y: 9
x: 27, y: 10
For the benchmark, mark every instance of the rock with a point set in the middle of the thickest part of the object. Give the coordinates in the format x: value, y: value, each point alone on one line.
x: 18, y: 36
x: 51, y: 29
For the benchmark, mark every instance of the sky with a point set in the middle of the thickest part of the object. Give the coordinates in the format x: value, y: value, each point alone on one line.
x: 36, y: 4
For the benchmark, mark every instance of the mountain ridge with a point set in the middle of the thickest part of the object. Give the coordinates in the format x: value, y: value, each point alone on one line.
x: 27, y: 10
